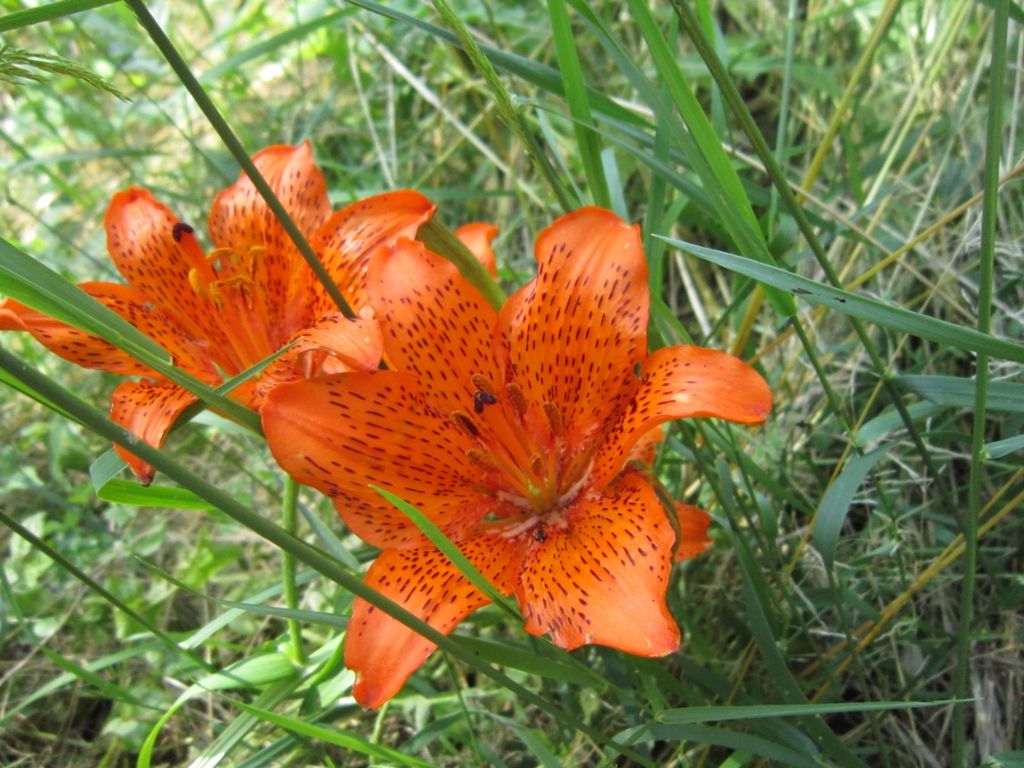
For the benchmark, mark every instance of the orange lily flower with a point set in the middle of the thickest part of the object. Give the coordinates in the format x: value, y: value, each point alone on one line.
x: 515, y: 433
x: 221, y: 313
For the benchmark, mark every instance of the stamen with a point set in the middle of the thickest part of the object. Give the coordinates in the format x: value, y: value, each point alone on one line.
x: 554, y: 414
x: 523, y: 526
x: 484, y: 384
x: 481, y: 398
x: 537, y: 465
x: 516, y: 397
x: 481, y: 459
x: 464, y: 422
x: 196, y: 282
x: 179, y: 230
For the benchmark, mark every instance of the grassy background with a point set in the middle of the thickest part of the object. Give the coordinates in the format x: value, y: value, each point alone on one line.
x: 838, y: 571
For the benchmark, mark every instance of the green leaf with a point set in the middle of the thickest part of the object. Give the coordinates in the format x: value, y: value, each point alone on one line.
x: 109, y: 690
x: 855, y: 305
x: 48, y: 12
x: 1013, y: 759
x: 105, y: 468
x: 958, y: 392
x: 334, y: 735
x: 579, y: 104
x: 722, y: 737
x: 831, y: 515
x: 890, y: 420
x: 566, y: 669
x: 99, y: 423
x: 157, y: 496
x: 50, y: 687
x: 688, y: 715
x: 1016, y: 11
x: 756, y: 596
x: 250, y: 673
x: 999, y: 448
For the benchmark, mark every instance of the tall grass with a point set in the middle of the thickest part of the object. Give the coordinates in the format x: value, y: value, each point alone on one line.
x: 830, y: 190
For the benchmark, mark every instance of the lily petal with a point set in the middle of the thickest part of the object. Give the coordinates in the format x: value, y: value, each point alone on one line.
x: 241, y: 220
x: 347, y: 240
x: 341, y: 433
x: 693, y: 532
x: 603, y: 578
x: 90, y: 351
x: 575, y: 332
x: 645, y: 451
x: 681, y: 383
x: 384, y: 652
x: 156, y: 253
x: 477, y: 237
x: 239, y: 216
x: 335, y: 344
x: 147, y: 410
x: 435, y: 324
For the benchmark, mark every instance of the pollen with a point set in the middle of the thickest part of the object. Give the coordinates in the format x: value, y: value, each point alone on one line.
x: 462, y: 420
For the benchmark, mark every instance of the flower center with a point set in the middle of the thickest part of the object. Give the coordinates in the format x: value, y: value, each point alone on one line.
x: 232, y: 281
x: 524, y: 450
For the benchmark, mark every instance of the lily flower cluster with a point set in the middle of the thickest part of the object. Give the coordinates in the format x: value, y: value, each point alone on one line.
x: 521, y: 432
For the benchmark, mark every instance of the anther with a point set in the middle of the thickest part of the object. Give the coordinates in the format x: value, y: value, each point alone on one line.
x: 481, y: 398
x: 462, y: 420
x: 516, y: 396
x: 554, y: 414
x: 179, y: 230
x: 196, y: 281
x: 481, y: 459
x: 484, y: 384
x: 537, y: 465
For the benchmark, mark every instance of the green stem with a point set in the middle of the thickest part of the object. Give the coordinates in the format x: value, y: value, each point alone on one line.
x: 220, y: 125
x: 507, y: 110
x: 989, y: 213
x: 291, y: 595
x: 438, y: 238
x: 792, y: 21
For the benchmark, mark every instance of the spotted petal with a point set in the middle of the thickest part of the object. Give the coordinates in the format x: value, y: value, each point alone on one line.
x: 574, y: 333
x: 90, y: 351
x: 147, y: 410
x: 693, y: 532
x: 156, y: 253
x: 477, y: 237
x: 602, y: 579
x: 435, y: 324
x: 384, y: 652
x: 350, y: 237
x: 681, y: 383
x: 240, y: 219
x: 341, y: 433
x: 334, y: 344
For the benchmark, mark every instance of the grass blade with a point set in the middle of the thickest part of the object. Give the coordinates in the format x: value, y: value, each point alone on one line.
x: 852, y: 304
x: 579, y: 105
x: 831, y: 514
x: 49, y: 12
